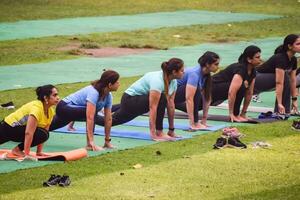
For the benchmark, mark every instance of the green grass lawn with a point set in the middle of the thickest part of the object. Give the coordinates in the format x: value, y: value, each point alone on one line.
x: 188, y: 169
x: 54, y: 9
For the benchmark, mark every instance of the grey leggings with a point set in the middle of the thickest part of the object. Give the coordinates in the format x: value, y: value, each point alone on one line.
x: 266, y: 82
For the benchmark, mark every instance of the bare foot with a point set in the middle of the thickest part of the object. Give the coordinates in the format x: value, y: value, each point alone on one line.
x: 71, y: 129
x: 173, y: 135
x: 108, y: 145
x: 94, y: 148
x: 16, y: 151
x: 198, y: 126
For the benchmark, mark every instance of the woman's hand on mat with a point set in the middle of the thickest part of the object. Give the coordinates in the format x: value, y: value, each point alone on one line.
x: 281, y: 109
x: 234, y: 118
x: 242, y: 118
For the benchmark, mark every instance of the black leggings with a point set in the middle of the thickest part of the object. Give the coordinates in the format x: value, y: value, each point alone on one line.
x: 17, y: 134
x: 66, y: 113
x: 220, y: 94
x: 133, y: 106
x: 266, y: 82
x: 180, y: 101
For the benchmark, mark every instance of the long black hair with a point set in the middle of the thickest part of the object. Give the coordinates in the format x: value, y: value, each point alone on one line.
x: 249, y: 52
x: 107, y: 77
x: 167, y: 68
x: 208, y: 58
x: 44, y: 91
x: 288, y: 40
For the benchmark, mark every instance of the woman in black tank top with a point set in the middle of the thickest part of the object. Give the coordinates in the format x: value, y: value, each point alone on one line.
x: 280, y: 73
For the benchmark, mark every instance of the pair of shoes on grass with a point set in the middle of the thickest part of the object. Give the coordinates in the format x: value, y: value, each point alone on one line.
x: 223, y: 142
x: 62, y: 181
x: 230, y: 138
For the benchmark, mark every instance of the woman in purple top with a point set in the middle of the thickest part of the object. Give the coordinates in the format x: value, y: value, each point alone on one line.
x: 84, y: 105
x: 194, y: 89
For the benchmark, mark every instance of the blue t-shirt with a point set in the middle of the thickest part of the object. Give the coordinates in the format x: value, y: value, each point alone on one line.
x: 90, y: 94
x: 151, y: 81
x: 192, y: 76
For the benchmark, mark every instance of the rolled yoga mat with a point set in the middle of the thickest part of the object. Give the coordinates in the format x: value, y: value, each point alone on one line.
x: 5, y: 154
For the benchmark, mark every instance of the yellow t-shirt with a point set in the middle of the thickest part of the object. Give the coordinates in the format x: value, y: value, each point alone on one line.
x: 35, y: 108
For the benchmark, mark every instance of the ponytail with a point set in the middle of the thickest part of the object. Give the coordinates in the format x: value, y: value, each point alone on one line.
x: 107, y: 77
x: 208, y: 58
x: 167, y: 68
x: 288, y: 40
x: 249, y: 52
x: 43, y: 91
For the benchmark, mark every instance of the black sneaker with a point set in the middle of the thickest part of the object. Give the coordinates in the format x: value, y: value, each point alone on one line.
x: 296, y: 125
x: 235, y: 142
x: 64, y: 181
x: 53, y: 180
x: 220, y: 143
x: 9, y: 105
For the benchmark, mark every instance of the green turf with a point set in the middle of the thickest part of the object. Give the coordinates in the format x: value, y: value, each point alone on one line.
x: 189, y: 169
x: 67, y: 47
x: 73, y: 26
x: 86, y: 69
x: 66, y: 142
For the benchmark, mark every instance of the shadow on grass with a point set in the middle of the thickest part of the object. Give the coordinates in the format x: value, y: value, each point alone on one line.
x: 291, y: 192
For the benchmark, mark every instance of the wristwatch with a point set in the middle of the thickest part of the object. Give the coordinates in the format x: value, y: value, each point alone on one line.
x: 294, y: 98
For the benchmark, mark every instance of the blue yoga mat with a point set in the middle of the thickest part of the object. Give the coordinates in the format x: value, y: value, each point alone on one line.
x: 184, y: 127
x: 114, y: 133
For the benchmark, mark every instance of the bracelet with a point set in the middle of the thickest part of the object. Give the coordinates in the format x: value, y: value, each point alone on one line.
x: 171, y: 129
x: 107, y: 140
x: 294, y: 98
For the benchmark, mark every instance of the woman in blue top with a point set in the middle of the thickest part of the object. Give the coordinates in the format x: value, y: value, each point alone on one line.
x: 84, y: 105
x: 194, y: 89
x: 152, y: 93
x: 280, y: 71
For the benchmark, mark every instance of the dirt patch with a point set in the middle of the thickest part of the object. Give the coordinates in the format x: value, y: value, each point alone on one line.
x: 113, y: 52
x: 75, y: 49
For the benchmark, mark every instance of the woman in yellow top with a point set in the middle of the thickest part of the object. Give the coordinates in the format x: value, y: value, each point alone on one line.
x: 29, y: 124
